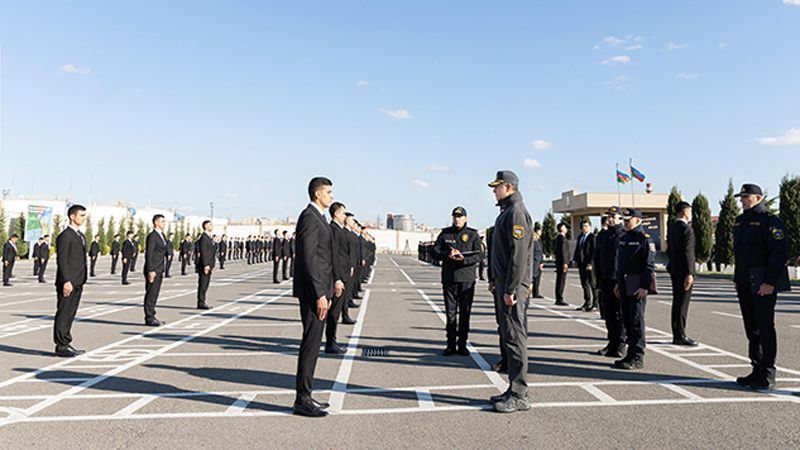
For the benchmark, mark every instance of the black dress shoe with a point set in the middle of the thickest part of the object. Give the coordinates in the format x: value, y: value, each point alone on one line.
x: 500, y: 367
x: 463, y: 351
x: 348, y: 321
x: 763, y: 383
x: 126, y: 282
x: 167, y: 276
x: 204, y: 306
x: 604, y: 351
x: 583, y: 308
x: 562, y: 304
x: 617, y: 352
x: 308, y: 410
x: 539, y: 296
x: 154, y: 323
x: 335, y: 349
x: 68, y: 352
x: 353, y: 305
x: 685, y: 341
x: 745, y: 381
x: 633, y: 364
x: 320, y: 405
x: 448, y: 352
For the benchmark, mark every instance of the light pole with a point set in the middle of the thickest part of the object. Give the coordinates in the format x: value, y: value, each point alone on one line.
x: 212, y: 210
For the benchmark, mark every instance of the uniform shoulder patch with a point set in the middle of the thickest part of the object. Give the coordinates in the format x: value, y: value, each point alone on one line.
x: 465, y: 237
x: 777, y: 234
x: 518, y: 232
x: 652, y: 247
x: 535, y: 237
x: 645, y: 234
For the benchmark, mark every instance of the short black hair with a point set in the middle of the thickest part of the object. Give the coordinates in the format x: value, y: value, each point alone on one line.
x: 46, y: 236
x: 335, y: 207
x: 129, y: 233
x: 41, y: 238
x: 316, y: 184
x: 75, y: 209
x: 116, y: 235
x: 603, y: 220
x: 681, y: 207
x: 14, y: 236
x: 560, y: 226
x: 586, y: 221
x: 156, y: 217
x: 205, y: 222
x: 96, y: 235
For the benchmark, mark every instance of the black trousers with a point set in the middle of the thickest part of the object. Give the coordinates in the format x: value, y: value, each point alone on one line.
x: 42, y: 269
x: 151, y: 291
x: 203, y: 280
x: 611, y: 308
x: 481, y: 266
x: 680, y: 307
x: 589, y: 290
x: 283, y: 269
x: 291, y: 267
x: 35, y: 266
x: 537, y: 281
x: 66, y: 308
x: 276, y: 265
x: 458, y: 306
x: 167, y: 265
x: 92, y: 263
x: 337, y: 305
x: 561, y: 281
x: 758, y: 313
x: 133, y: 263
x: 633, y: 319
x: 221, y: 262
x: 514, y: 337
x: 114, y: 259
x: 126, y: 267
x: 498, y: 311
x: 7, y: 271
x: 184, y: 263
x: 309, y: 350
x: 249, y: 258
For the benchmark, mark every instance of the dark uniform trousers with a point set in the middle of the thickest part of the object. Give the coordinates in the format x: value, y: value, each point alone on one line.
x: 536, y: 283
x: 561, y: 281
x: 283, y: 268
x: 275, y: 267
x: 92, y: 262
x: 589, y: 287
x: 114, y: 259
x: 611, y: 309
x: 35, y: 262
x: 203, y: 280
x: 184, y: 262
x: 758, y: 313
x: 680, y: 307
x: 42, y: 268
x: 7, y: 271
x: 458, y: 305
x: 126, y: 267
x: 151, y: 291
x: 66, y: 309
x: 167, y: 265
x: 514, y: 337
x: 309, y: 349
x: 633, y: 320
x: 337, y: 306
x: 221, y: 261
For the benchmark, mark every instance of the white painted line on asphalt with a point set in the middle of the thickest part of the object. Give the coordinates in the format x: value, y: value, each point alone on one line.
x: 340, y: 385
x: 729, y: 366
x: 683, y: 392
x: 133, y: 407
x: 425, y: 400
x: 600, y: 395
x: 735, y: 316
x: 204, y: 354
x: 240, y: 404
x: 27, y: 301
x: 393, y: 261
x: 54, y: 380
x: 407, y: 277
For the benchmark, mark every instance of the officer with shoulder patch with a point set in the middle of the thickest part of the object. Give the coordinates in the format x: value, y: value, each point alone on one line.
x: 538, y: 262
x: 605, y: 263
x: 760, y: 251
x: 635, y: 276
x: 459, y: 249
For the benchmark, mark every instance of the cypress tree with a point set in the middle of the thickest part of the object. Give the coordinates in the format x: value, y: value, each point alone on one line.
x: 702, y: 226
x: 19, y: 230
x: 89, y: 233
x: 57, y: 227
x: 769, y: 203
x: 790, y: 214
x: 101, y: 231
x: 672, y: 203
x: 141, y: 230
x: 122, y: 231
x: 723, y: 245
x: 3, y: 229
x: 566, y: 219
x: 549, y: 233
x: 109, y: 236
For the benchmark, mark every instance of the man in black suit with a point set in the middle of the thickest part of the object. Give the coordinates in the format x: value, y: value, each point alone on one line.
x: 70, y: 279
x: 538, y: 261
x: 36, y: 256
x: 223, y: 251
x: 9, y: 258
x: 352, y: 241
x: 43, y: 256
x: 186, y: 253
x: 114, y: 254
x: 170, y: 254
x: 293, y: 252
x: 344, y: 261
x: 680, y: 245
x: 584, y: 256
x: 136, y: 250
x: 314, y: 287
x: 277, y: 256
x: 562, y: 257
x: 94, y: 252
x: 154, y: 263
x: 127, y: 255
x: 287, y: 253
x: 205, y: 263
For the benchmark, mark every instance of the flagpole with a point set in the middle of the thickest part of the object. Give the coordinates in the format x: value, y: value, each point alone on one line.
x: 633, y: 195
x: 619, y: 195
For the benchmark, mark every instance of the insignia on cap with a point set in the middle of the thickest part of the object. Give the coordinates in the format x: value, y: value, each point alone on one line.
x: 465, y: 237
x: 518, y: 232
x: 777, y: 234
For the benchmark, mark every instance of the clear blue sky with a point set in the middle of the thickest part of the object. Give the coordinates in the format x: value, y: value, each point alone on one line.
x: 410, y: 107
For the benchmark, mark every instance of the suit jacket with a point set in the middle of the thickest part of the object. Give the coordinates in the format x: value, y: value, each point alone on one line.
x: 71, y: 259
x: 344, y: 258
x: 170, y: 247
x: 44, y: 252
x: 584, y: 253
x: 135, y: 248
x: 206, y: 253
x: 127, y: 250
x: 223, y: 248
x: 115, y: 248
x: 9, y: 253
x: 287, y: 248
x: 36, y: 250
x: 313, y: 272
x: 94, y: 249
x: 561, y: 250
x: 155, y: 254
x: 277, y: 248
x: 680, y: 245
x: 186, y: 248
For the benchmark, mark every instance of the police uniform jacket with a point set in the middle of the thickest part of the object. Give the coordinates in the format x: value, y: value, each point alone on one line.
x: 636, y: 256
x: 464, y: 240
x: 489, y: 232
x: 277, y: 248
x: 605, y: 252
x: 538, y: 255
x: 512, y: 246
x: 759, y: 240
x: 223, y: 249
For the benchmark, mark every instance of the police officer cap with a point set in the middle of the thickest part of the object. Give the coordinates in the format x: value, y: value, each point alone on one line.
x: 750, y: 189
x: 459, y: 211
x: 630, y: 213
x: 614, y: 210
x: 505, y: 177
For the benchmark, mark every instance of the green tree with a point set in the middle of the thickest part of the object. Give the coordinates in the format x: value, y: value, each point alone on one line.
x: 122, y: 230
x: 89, y: 233
x: 3, y: 229
x: 723, y: 242
x: 703, y: 228
x: 566, y: 219
x: 58, y: 225
x: 109, y: 235
x: 770, y: 202
x: 141, y: 230
x: 675, y: 197
x: 101, y: 231
x: 19, y: 230
x: 549, y: 233
x: 790, y: 214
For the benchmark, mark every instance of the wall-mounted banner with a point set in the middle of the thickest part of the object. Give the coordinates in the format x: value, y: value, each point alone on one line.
x: 40, y: 219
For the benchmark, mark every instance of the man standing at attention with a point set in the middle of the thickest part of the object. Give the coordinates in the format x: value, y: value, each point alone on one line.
x: 114, y: 254
x: 562, y: 258
x: 458, y: 277
x: 204, y: 264
x: 511, y: 269
x: 313, y: 285
x: 9, y: 258
x: 43, y: 256
x: 70, y: 279
x: 680, y: 245
x: 584, y: 254
x: 154, y: 260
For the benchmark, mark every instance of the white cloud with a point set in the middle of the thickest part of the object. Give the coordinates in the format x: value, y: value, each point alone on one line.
x: 363, y: 83
x: 420, y: 184
x: 437, y: 168
x: 639, y: 39
x: 596, y: 47
x: 69, y: 68
x: 619, y: 82
x: 617, y: 59
x: 791, y: 137
x: 688, y: 76
x: 531, y: 163
x: 542, y: 145
x: 398, y: 114
x: 634, y: 47
x: 722, y: 46
x: 230, y: 195
x: 612, y: 41
x: 791, y: 2
x: 671, y: 46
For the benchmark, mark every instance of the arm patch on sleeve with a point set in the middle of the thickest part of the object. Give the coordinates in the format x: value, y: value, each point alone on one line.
x: 518, y: 232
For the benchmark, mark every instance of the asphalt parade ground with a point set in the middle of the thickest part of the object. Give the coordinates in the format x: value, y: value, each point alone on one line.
x: 224, y: 378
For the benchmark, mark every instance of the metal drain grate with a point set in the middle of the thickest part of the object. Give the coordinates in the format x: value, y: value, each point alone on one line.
x: 374, y: 352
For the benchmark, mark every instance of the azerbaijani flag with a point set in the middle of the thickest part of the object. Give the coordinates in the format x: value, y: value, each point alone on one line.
x: 622, y: 178
x: 636, y: 174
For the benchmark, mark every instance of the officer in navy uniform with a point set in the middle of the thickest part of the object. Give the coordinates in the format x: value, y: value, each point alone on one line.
x: 761, y: 251
x: 635, y: 274
x: 538, y: 262
x: 605, y: 264
x: 458, y: 277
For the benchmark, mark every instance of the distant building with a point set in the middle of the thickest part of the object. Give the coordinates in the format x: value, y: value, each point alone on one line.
x: 400, y: 222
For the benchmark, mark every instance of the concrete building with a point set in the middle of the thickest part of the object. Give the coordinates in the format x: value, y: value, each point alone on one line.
x: 400, y: 222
